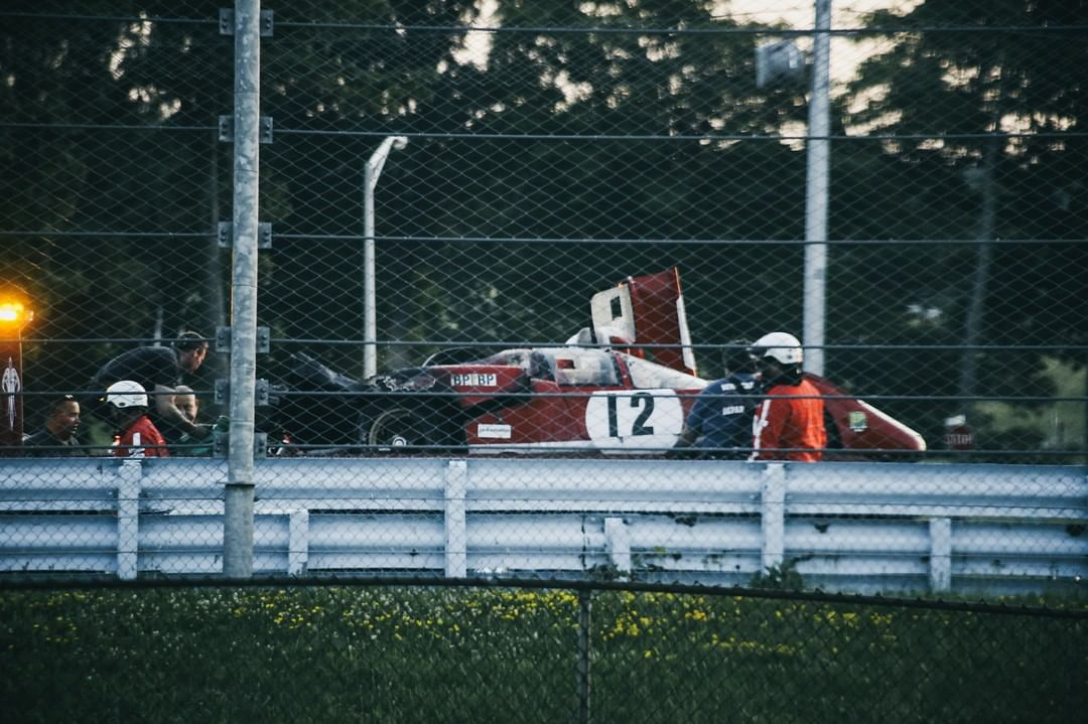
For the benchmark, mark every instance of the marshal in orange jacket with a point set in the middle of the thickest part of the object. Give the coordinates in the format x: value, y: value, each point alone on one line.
x: 789, y: 424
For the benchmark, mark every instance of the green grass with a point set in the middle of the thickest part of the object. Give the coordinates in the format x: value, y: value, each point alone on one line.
x: 317, y: 654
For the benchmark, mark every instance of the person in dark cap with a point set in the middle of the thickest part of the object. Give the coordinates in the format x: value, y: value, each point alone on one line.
x: 159, y: 370
x: 720, y: 422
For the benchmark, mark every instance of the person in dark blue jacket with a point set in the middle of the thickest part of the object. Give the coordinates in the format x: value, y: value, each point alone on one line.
x: 720, y: 422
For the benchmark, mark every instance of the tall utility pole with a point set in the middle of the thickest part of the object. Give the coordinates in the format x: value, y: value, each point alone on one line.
x: 238, y: 495
x: 817, y: 190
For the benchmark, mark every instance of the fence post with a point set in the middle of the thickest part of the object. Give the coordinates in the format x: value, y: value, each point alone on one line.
x: 585, y: 609
x: 238, y: 496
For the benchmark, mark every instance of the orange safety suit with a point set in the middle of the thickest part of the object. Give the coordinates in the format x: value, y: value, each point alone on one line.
x: 789, y: 424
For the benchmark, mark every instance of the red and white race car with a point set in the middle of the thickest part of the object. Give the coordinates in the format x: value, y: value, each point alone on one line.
x: 624, y: 385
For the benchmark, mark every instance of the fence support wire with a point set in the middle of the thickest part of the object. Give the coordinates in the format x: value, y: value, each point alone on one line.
x: 238, y: 522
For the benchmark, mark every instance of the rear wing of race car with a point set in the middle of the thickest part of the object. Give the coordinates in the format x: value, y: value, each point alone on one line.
x: 647, y: 310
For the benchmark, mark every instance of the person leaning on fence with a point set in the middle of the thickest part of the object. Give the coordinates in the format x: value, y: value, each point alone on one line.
x: 136, y: 436
x: 187, y: 402
x: 159, y: 370
x: 720, y: 422
x: 189, y: 405
x: 789, y: 421
x: 59, y: 436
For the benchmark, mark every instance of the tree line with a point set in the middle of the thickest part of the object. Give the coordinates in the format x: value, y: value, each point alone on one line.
x: 587, y: 142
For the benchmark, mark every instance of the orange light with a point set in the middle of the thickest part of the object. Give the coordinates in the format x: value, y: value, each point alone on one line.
x: 14, y: 312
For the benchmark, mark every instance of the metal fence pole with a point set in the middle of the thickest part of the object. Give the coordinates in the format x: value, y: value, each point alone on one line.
x: 585, y: 609
x: 238, y: 522
x: 816, y: 193
x: 987, y: 187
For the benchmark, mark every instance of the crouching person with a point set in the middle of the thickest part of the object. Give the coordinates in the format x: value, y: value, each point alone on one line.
x: 136, y: 436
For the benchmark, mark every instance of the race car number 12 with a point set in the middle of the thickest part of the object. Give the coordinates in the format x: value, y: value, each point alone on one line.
x: 643, y: 400
x: 642, y: 419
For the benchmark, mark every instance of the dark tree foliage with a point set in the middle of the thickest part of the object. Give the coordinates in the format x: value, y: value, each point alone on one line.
x: 574, y: 157
x: 960, y: 87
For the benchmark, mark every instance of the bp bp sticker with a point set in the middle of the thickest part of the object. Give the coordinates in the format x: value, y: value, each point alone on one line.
x: 638, y: 419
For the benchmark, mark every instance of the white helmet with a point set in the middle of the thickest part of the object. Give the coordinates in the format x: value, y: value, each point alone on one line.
x: 782, y: 346
x: 126, y: 393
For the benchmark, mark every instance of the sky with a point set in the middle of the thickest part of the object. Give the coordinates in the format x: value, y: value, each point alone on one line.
x: 845, y: 54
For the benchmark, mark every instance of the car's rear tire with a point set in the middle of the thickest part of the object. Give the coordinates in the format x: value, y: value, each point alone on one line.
x: 399, y: 429
x: 422, y: 427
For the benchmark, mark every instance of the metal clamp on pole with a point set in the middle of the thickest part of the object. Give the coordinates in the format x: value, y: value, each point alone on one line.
x: 226, y: 22
x: 262, y: 392
x: 226, y: 129
x: 223, y: 340
x: 220, y: 446
x: 225, y: 235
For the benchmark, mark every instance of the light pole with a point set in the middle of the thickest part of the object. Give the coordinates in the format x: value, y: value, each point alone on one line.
x: 14, y: 315
x: 371, y: 172
x: 782, y: 62
x: 817, y: 189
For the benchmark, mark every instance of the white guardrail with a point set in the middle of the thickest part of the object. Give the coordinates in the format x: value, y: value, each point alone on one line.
x: 860, y: 527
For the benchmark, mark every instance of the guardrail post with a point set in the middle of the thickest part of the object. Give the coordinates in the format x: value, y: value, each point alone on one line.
x: 940, y: 555
x: 456, y: 534
x: 619, y: 544
x: 774, y: 515
x: 298, y: 542
x: 128, y: 518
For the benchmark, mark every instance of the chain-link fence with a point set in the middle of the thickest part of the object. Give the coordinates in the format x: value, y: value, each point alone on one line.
x: 498, y: 253
x: 547, y: 156
x: 502, y: 231
x: 388, y: 653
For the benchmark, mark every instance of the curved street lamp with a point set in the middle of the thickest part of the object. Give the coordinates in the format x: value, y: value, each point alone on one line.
x: 371, y: 172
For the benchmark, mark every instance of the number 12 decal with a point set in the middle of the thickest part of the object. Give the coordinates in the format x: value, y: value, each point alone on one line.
x: 634, y: 419
x: 640, y: 399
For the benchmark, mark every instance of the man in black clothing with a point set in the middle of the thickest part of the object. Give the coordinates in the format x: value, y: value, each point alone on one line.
x: 159, y: 370
x: 58, y: 437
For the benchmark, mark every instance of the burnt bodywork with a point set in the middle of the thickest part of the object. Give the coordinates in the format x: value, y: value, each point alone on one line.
x: 514, y: 401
